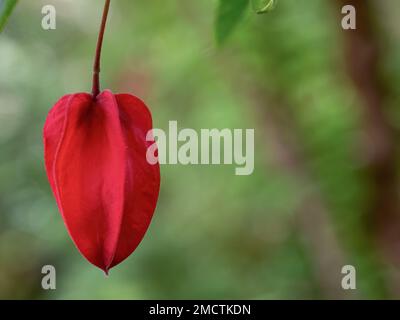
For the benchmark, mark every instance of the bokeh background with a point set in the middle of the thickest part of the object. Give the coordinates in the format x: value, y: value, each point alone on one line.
x: 325, y: 106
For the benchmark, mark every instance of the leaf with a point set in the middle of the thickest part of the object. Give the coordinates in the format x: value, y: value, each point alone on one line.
x: 6, y: 8
x: 263, y: 6
x: 229, y: 14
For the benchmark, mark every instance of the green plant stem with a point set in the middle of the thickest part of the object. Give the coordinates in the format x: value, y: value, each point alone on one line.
x: 96, y: 66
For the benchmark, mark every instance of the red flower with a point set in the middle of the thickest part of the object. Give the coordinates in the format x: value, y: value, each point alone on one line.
x: 95, y: 155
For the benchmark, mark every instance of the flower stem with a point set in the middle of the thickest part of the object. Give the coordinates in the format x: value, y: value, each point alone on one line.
x: 96, y: 66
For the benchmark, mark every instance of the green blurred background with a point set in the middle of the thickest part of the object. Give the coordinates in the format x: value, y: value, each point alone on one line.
x: 324, y: 103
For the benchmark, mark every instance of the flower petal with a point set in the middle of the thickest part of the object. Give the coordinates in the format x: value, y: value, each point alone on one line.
x: 95, y: 154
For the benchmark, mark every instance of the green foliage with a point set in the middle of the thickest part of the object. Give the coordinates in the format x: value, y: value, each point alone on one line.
x: 263, y: 6
x: 230, y: 13
x: 6, y: 8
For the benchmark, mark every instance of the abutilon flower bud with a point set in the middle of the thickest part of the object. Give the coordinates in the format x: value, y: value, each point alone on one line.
x: 95, y: 156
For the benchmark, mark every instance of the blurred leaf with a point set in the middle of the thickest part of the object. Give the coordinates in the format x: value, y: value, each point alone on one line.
x: 229, y: 14
x: 263, y: 6
x: 6, y: 8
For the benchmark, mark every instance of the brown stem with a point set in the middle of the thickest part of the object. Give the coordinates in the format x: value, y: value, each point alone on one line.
x: 96, y: 66
x: 362, y: 56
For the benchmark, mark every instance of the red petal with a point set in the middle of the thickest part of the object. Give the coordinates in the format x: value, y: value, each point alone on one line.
x: 142, y: 182
x: 106, y: 191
